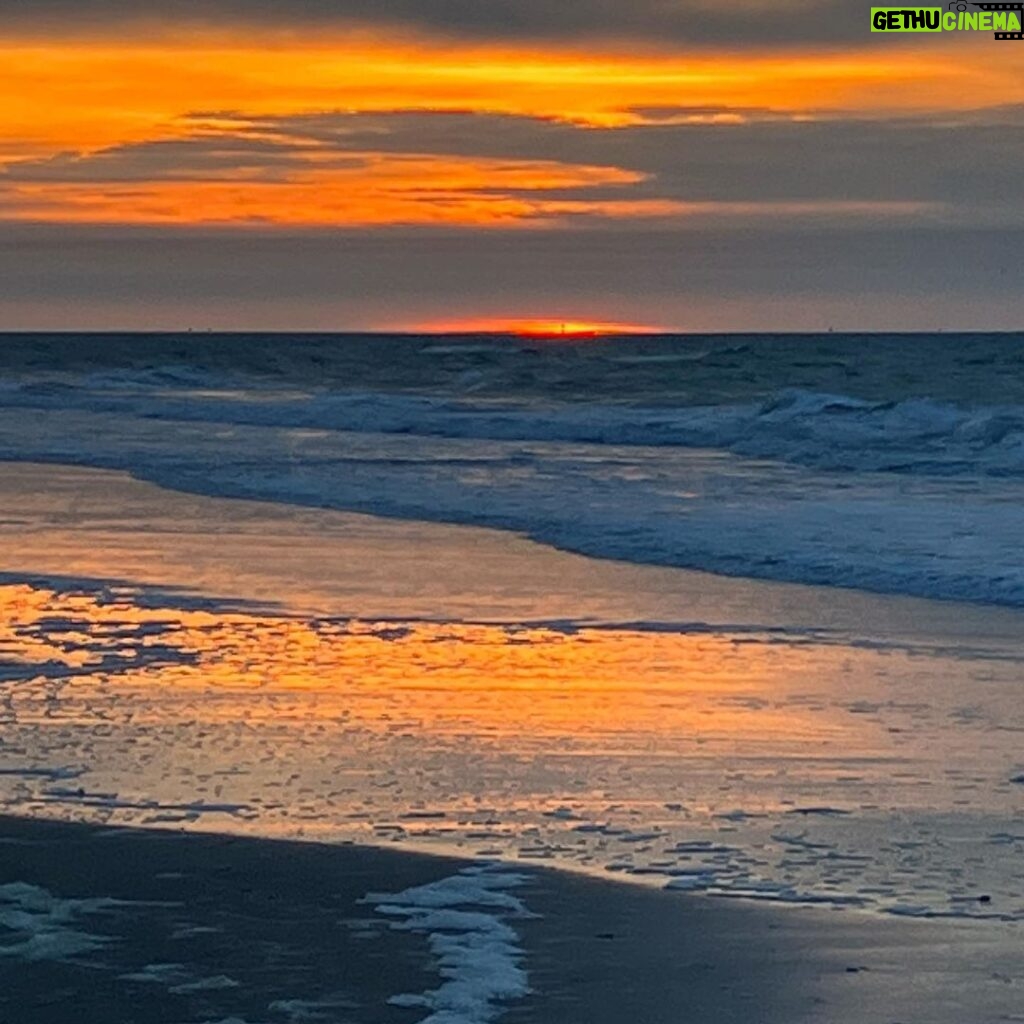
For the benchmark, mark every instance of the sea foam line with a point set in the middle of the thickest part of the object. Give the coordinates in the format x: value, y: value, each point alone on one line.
x: 466, y: 921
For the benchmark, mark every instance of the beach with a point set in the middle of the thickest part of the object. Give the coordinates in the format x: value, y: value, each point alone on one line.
x: 202, y: 928
x: 423, y: 697
x: 511, y: 512
x: 458, y: 690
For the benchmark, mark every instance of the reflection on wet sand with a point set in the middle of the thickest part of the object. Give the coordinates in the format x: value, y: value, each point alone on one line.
x: 786, y: 766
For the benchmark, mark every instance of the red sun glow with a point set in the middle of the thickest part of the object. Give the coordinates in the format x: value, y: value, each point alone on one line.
x: 542, y: 328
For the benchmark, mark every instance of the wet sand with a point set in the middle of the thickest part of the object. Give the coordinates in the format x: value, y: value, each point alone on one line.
x: 218, y: 929
x: 80, y: 522
x: 231, y: 930
x: 289, y: 672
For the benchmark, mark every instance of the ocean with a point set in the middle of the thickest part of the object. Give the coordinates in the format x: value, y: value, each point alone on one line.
x: 731, y: 615
x: 889, y: 463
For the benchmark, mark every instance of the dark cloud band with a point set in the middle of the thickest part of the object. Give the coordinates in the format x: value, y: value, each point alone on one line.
x: 968, y: 165
x: 738, y: 25
x: 761, y: 279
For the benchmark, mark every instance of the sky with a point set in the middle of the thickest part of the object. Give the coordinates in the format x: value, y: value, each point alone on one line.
x: 686, y: 165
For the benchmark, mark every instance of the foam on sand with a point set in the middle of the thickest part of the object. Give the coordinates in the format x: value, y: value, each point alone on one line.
x: 466, y: 920
x: 44, y: 926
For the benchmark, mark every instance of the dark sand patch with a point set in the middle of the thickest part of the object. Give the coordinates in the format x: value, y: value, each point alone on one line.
x: 215, y: 928
x: 218, y: 928
x: 621, y: 954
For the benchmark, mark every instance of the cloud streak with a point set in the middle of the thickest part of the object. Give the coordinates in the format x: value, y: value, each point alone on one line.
x: 408, y: 166
x: 700, y: 23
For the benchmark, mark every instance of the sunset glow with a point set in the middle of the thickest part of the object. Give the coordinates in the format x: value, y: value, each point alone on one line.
x: 514, y: 684
x: 554, y: 437
x: 543, y: 144
x: 539, y: 328
x: 60, y: 95
x: 73, y: 150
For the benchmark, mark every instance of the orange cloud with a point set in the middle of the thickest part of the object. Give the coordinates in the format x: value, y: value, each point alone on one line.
x: 88, y: 94
x: 82, y: 96
x: 386, y: 189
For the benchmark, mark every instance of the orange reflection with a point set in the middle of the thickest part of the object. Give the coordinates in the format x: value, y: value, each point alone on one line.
x: 733, y: 758
x: 511, y: 685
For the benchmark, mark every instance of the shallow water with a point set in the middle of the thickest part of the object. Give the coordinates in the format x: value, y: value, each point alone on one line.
x: 893, y: 464
x: 736, y: 746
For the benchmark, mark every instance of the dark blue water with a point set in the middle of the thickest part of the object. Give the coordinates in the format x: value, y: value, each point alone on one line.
x: 887, y: 462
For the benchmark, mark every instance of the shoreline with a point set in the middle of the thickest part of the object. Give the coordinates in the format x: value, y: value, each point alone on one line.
x: 455, y: 853
x: 842, y: 593
x: 480, y: 735
x: 217, y: 928
x: 743, y: 748
x: 527, y: 573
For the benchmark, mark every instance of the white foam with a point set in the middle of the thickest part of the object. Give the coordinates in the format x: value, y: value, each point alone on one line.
x: 805, y: 427
x: 44, y: 924
x: 916, y: 497
x: 466, y: 921
x: 298, y: 1010
x: 214, y: 983
x: 156, y: 974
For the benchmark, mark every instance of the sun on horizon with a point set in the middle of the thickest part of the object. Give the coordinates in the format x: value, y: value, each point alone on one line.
x: 552, y: 327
